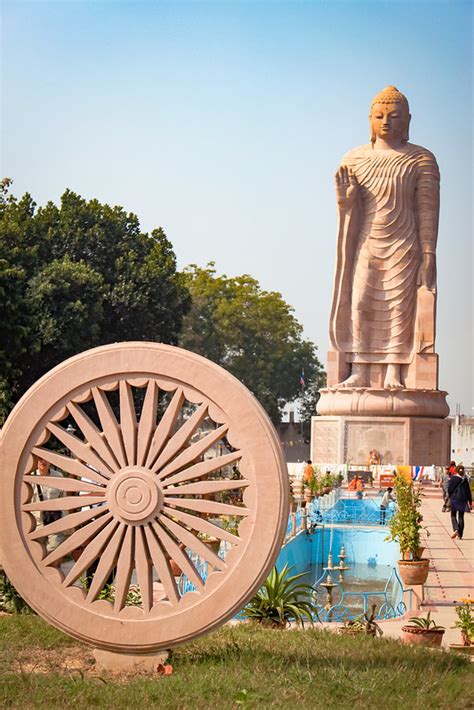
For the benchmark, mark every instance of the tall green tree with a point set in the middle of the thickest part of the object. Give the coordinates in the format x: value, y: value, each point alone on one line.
x: 74, y: 276
x: 251, y: 332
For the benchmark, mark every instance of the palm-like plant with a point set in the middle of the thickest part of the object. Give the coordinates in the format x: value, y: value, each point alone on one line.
x: 425, y: 623
x: 281, y: 599
x: 363, y: 624
x: 370, y: 625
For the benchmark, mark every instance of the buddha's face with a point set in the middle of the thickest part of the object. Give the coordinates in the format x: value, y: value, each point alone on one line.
x: 389, y: 122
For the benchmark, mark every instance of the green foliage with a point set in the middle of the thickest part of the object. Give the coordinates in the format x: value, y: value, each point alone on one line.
x: 107, y: 593
x: 76, y: 276
x: 424, y: 622
x: 405, y: 524
x: 282, y: 598
x: 10, y: 600
x: 252, y: 333
x: 465, y: 620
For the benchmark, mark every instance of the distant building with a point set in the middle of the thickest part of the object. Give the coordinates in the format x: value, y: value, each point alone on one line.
x: 295, y: 446
x: 462, y: 439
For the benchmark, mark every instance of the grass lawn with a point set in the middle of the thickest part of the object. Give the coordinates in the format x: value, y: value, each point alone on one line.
x: 234, y: 667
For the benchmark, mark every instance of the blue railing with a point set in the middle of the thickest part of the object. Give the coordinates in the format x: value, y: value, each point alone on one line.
x: 349, y: 511
x: 390, y: 601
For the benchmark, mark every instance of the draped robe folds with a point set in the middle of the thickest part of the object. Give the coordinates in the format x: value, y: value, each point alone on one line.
x: 382, y: 237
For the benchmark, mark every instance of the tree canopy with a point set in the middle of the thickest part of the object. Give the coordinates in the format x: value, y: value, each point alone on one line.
x: 252, y: 333
x: 75, y: 276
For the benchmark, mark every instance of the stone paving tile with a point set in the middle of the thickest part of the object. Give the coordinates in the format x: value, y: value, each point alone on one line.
x: 451, y: 575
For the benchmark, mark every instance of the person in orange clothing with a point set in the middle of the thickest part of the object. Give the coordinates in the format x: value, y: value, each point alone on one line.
x: 352, y: 484
x: 308, y: 471
x: 359, y: 487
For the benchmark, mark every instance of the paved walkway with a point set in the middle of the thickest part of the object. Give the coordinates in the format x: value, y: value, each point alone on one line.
x: 451, y: 575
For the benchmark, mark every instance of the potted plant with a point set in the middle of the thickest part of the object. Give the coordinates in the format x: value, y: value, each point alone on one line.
x: 327, y: 483
x: 281, y: 599
x: 308, y: 494
x: 405, y: 528
x: 465, y: 623
x: 423, y: 631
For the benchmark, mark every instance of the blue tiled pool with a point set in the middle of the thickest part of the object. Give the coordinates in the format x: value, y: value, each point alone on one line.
x: 371, y: 578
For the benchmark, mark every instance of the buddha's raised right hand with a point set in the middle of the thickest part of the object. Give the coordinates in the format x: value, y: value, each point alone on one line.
x: 346, y: 187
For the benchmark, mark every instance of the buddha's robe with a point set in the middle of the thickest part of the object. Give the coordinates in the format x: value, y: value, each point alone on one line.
x: 381, y: 241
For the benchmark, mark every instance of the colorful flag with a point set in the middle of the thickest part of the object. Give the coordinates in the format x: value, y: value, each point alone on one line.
x: 302, y: 380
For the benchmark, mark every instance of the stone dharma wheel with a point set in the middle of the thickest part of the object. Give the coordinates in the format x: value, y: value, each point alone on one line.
x: 153, y: 451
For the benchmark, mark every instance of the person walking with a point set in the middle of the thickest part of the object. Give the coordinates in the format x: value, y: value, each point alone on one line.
x: 460, y: 497
x: 444, y: 483
x: 387, y: 497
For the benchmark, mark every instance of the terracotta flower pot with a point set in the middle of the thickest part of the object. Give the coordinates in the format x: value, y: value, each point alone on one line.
x: 413, y: 572
x: 461, y: 648
x: 422, y: 637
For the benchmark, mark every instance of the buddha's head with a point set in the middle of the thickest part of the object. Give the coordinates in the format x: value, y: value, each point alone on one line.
x: 389, y: 116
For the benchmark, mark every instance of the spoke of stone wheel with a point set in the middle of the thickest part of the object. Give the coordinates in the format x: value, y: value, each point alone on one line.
x: 93, y: 435
x: 77, y: 539
x: 124, y: 569
x: 203, y: 487
x: 190, y: 454
x: 91, y: 553
x: 66, y: 503
x: 64, y: 484
x: 202, y: 525
x: 128, y: 422
x: 162, y: 567
x: 109, y: 425
x: 71, y: 466
x: 107, y: 562
x: 193, y: 542
x: 146, y: 425
x: 165, y: 427
x: 176, y: 554
x: 83, y: 451
x: 143, y: 568
x: 204, y: 468
x: 68, y: 522
x: 206, y: 506
x: 179, y: 439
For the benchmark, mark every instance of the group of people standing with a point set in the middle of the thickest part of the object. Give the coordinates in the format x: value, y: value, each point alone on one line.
x: 457, y: 496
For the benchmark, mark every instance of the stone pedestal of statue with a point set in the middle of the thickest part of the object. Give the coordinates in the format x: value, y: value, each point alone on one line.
x: 412, y: 441
x: 406, y: 426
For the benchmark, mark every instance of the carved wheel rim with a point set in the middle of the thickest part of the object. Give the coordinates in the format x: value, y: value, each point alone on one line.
x: 157, y: 449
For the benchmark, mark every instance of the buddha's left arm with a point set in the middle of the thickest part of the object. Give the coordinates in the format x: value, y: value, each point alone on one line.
x: 427, y: 203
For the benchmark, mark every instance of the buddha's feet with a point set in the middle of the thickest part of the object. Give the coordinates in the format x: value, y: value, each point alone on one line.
x: 358, y: 379
x: 393, y: 378
x: 392, y: 385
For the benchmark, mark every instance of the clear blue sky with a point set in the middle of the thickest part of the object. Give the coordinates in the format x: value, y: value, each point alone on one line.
x: 223, y: 122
